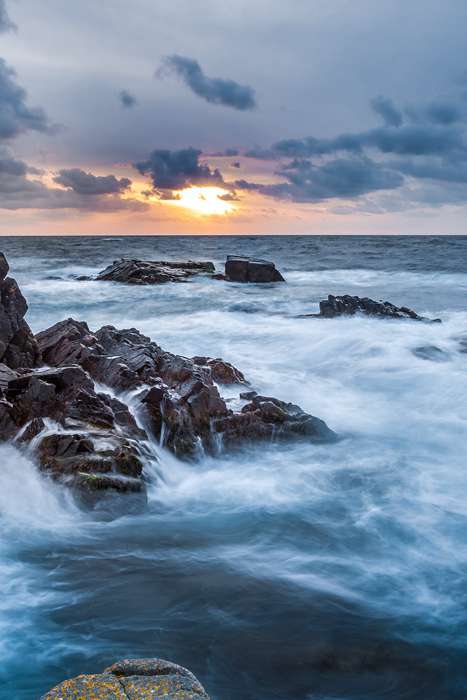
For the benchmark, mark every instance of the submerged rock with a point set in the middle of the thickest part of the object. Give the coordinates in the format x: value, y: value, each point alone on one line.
x: 350, y: 305
x: 153, y: 271
x: 178, y: 395
x: 133, y: 679
x: 431, y: 352
x: 242, y: 269
x: 18, y: 347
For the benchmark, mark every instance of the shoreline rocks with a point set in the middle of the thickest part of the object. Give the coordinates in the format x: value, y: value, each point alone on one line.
x: 244, y: 269
x: 145, y: 272
x: 87, y: 438
x: 18, y: 347
x: 348, y: 305
x: 178, y: 396
x: 133, y: 679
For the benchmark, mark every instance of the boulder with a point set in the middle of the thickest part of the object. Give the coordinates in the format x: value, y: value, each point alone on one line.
x: 271, y: 419
x: 350, y: 305
x: 84, y: 439
x: 179, y: 397
x: 153, y: 271
x: 18, y: 347
x: 242, y: 269
x: 133, y: 679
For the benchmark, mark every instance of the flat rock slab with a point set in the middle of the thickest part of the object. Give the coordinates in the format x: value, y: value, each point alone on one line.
x: 133, y: 679
x: 242, y: 269
x: 153, y: 271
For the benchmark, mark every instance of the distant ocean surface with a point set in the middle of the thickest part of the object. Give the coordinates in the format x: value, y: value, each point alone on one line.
x: 292, y: 572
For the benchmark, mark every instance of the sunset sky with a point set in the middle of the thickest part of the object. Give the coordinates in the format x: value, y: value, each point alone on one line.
x: 253, y: 116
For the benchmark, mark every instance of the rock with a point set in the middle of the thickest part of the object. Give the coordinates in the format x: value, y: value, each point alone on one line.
x: 18, y: 347
x: 153, y: 272
x: 91, y: 433
x: 350, y: 305
x: 270, y: 418
x: 242, y: 269
x: 180, y: 401
x: 431, y: 352
x: 221, y: 372
x: 133, y: 679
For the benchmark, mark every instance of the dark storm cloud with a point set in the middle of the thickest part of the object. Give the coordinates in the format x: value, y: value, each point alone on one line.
x: 127, y: 99
x: 340, y: 178
x: 9, y: 165
x: 16, y: 116
x: 409, y: 139
x: 5, y: 22
x: 17, y: 191
x: 174, y: 170
x: 387, y: 110
x: 214, y: 90
x: 89, y: 184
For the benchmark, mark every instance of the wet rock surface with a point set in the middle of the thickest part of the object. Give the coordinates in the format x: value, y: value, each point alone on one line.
x: 133, y: 679
x: 88, y: 438
x: 18, y: 347
x: 181, y: 403
x: 153, y: 272
x: 242, y: 269
x: 348, y: 305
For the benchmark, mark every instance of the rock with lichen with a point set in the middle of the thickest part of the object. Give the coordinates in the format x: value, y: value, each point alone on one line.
x: 133, y: 679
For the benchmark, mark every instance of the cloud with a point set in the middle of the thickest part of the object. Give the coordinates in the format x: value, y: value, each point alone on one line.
x: 5, y: 22
x: 214, y: 90
x: 89, y: 184
x: 175, y: 170
x: 409, y: 139
x: 387, y: 110
x: 127, y: 99
x: 15, y: 115
x: 344, y: 178
x: 20, y: 191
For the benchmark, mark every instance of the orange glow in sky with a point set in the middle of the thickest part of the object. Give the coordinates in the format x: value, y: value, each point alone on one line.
x: 206, y: 201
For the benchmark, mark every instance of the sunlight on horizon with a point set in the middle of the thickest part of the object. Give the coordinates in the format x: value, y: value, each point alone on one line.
x: 204, y: 200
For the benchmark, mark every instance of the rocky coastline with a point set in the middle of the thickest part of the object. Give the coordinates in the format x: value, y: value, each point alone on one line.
x: 62, y: 398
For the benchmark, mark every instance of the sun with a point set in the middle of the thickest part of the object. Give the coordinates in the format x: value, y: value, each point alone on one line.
x: 204, y: 200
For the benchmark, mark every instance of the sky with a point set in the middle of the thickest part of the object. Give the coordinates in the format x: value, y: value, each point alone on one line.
x: 248, y: 117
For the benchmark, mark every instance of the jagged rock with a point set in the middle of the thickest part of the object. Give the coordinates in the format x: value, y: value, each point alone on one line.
x: 95, y: 434
x: 179, y: 397
x: 221, y: 372
x: 242, y: 269
x: 133, y: 679
x: 350, y: 305
x: 18, y: 347
x: 271, y: 418
x: 153, y: 271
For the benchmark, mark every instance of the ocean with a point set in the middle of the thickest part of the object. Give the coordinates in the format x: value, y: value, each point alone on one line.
x: 282, y: 572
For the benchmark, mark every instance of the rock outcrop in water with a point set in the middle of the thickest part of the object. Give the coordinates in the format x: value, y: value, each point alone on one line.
x: 153, y: 272
x: 18, y: 347
x: 133, y: 679
x: 88, y: 439
x: 178, y: 395
x: 242, y: 269
x: 350, y: 305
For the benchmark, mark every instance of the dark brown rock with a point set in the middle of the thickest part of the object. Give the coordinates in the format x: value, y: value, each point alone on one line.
x: 242, y: 269
x: 153, y: 271
x: 350, y: 305
x: 222, y: 372
x: 179, y: 397
x: 18, y: 347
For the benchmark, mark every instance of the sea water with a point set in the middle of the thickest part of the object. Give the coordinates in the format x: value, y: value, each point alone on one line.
x: 284, y: 572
